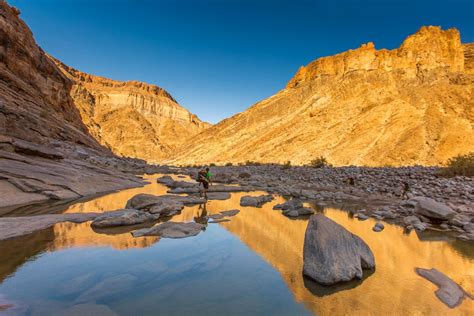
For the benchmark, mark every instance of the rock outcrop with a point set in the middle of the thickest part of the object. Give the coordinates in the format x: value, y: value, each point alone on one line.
x: 52, y: 143
x: 411, y: 105
x: 332, y: 254
x: 132, y: 118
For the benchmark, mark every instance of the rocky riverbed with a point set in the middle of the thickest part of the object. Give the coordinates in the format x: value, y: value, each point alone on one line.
x: 433, y: 202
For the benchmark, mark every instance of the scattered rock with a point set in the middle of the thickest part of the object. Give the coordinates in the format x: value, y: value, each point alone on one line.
x: 171, y: 230
x: 303, y: 211
x: 361, y: 217
x: 332, y: 254
x: 378, y: 227
x: 449, y: 292
x: 255, y: 201
x: 290, y: 204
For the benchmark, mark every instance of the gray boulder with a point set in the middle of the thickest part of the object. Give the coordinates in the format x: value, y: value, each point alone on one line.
x: 432, y: 209
x: 449, y: 292
x: 122, y: 218
x: 378, y: 227
x: 302, y: 211
x: 256, y: 201
x: 332, y: 254
x: 171, y: 230
x: 290, y: 204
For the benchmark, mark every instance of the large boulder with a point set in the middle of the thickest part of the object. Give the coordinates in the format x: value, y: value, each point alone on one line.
x: 171, y: 230
x: 123, y: 218
x: 256, y: 201
x: 449, y: 292
x: 332, y: 254
x: 432, y: 209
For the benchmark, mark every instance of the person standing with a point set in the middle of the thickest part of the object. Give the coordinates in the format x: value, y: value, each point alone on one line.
x: 204, y: 178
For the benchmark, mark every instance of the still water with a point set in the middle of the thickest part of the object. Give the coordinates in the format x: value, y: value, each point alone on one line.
x: 250, y: 265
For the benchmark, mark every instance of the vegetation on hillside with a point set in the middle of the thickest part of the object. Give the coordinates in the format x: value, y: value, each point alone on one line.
x: 461, y: 165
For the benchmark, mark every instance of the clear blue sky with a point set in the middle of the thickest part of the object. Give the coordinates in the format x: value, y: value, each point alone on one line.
x: 218, y: 57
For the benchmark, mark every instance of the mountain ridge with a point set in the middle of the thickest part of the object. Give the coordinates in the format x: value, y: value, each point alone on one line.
x: 404, y: 106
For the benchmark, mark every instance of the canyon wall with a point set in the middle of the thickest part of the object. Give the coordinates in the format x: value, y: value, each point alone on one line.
x: 411, y: 105
x: 131, y: 118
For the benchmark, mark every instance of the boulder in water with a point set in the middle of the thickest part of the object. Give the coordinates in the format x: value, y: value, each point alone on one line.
x: 171, y: 230
x: 122, y: 218
x: 449, y: 292
x: 255, y: 201
x: 332, y: 254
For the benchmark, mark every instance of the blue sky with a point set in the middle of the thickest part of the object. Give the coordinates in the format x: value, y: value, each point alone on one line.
x: 218, y: 57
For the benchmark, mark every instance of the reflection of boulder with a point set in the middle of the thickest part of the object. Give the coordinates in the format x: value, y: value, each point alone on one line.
x: 324, y: 290
x: 332, y: 254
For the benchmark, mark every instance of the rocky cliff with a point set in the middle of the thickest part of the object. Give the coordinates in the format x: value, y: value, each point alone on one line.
x: 46, y: 150
x: 131, y: 118
x: 411, y: 105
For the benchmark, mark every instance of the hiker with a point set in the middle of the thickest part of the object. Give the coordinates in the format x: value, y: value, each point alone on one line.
x: 405, y: 190
x: 204, y: 178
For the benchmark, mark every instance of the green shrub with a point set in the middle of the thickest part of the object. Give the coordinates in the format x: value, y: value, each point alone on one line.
x: 320, y: 162
x: 229, y: 164
x: 212, y: 164
x: 252, y: 163
x: 287, y: 165
x: 461, y: 165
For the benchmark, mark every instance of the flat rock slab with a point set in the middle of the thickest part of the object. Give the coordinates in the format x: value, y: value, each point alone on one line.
x: 11, y: 227
x: 332, y: 254
x: 230, y: 213
x: 449, y: 292
x: 255, y: 201
x: 162, y: 204
x: 171, y: 230
x: 123, y: 218
x: 221, y: 220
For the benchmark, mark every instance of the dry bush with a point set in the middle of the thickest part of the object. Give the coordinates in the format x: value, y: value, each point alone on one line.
x: 320, y: 162
x: 461, y: 165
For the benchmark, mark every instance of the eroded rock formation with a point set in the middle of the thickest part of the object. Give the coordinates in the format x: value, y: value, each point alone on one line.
x: 131, y: 118
x: 411, y: 105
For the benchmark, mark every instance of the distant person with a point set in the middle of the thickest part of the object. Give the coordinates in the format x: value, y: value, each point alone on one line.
x: 204, y: 178
x: 405, y: 190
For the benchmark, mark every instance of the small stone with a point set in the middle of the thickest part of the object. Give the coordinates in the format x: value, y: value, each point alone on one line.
x: 378, y: 227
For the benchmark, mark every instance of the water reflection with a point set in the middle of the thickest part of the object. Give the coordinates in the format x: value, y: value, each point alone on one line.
x: 393, y: 288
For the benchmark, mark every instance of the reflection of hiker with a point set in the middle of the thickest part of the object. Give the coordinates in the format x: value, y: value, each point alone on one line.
x: 202, y: 218
x: 405, y: 190
x: 204, y: 178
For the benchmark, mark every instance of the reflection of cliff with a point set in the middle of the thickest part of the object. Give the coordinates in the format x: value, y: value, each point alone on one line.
x: 15, y: 252
x: 393, y: 289
x: 68, y: 235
